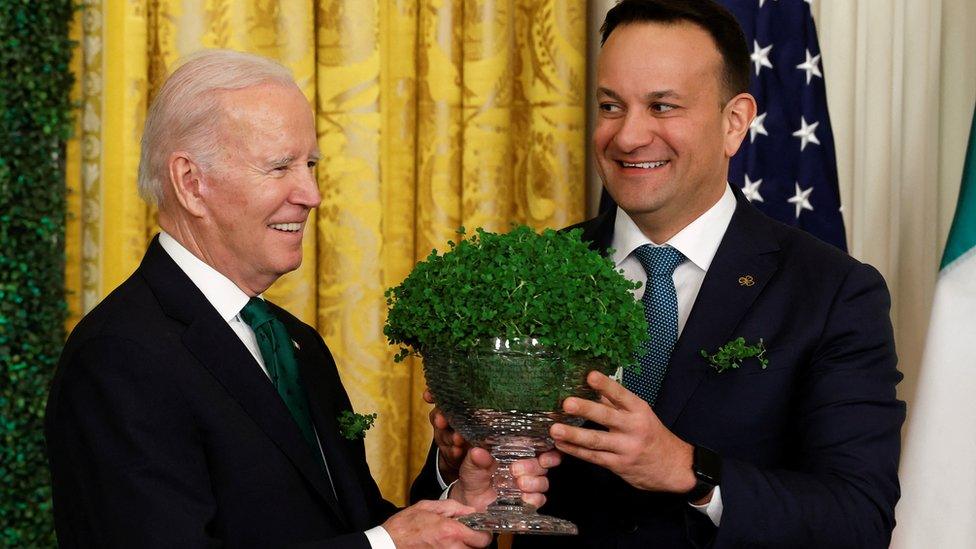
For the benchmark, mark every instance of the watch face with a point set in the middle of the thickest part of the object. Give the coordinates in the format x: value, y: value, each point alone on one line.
x: 708, y: 465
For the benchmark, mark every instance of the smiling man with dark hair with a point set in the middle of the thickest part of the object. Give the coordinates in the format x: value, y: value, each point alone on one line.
x: 796, y: 447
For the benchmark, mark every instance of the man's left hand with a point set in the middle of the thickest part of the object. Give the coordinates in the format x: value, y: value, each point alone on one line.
x: 474, y: 482
x: 637, y: 447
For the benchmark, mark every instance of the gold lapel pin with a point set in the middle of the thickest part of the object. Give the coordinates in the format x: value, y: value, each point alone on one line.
x: 746, y: 280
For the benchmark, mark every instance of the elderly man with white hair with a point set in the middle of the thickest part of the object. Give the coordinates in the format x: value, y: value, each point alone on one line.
x: 187, y: 411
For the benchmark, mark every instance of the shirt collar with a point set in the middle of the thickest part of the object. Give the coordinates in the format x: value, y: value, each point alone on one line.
x: 223, y: 294
x: 698, y: 241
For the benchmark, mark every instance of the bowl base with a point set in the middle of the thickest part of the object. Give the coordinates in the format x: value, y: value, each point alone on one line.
x: 507, y: 522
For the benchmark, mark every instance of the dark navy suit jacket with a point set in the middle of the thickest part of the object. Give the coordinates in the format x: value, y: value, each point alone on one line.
x: 163, y: 431
x: 809, y: 445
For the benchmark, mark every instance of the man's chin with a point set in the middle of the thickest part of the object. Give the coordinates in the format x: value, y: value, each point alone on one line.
x: 285, y: 265
x: 638, y: 206
x: 645, y: 197
x: 290, y: 267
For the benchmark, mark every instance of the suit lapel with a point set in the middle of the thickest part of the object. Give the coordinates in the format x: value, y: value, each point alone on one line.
x: 747, y: 249
x: 326, y: 401
x: 219, y: 350
x: 743, y: 264
x: 598, y: 231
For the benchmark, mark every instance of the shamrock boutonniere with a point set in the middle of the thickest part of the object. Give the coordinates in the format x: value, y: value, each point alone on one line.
x: 732, y: 354
x: 353, y: 425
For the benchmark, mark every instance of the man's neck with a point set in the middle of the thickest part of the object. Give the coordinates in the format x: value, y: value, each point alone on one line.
x: 662, y: 224
x: 181, y: 232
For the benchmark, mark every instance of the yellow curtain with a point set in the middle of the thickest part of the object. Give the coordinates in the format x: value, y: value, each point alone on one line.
x: 431, y: 114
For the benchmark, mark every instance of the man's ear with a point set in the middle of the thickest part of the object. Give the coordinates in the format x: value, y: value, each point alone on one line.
x: 186, y: 180
x: 738, y: 113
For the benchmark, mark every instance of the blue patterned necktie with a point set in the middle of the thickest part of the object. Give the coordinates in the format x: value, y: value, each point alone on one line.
x: 661, y: 311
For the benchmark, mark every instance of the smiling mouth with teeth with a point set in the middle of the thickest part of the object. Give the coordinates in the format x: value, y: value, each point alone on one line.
x: 644, y: 165
x: 286, y: 227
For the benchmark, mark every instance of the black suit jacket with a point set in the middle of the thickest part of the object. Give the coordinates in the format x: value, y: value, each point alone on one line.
x: 809, y: 445
x: 163, y: 431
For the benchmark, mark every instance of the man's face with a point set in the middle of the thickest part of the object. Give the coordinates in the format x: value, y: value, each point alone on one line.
x: 259, y: 194
x: 662, y: 137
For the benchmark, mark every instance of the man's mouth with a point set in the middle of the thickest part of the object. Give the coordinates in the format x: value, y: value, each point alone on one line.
x: 643, y: 165
x: 286, y: 227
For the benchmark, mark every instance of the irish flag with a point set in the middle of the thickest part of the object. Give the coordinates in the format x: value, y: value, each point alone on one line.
x: 938, y: 468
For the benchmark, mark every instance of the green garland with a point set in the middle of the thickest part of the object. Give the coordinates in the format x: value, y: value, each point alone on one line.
x: 35, y: 121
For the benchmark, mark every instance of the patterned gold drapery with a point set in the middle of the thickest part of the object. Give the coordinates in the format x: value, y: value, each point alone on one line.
x: 431, y: 114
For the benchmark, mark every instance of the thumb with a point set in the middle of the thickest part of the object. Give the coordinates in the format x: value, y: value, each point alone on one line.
x: 479, y: 458
x: 474, y: 477
x: 446, y: 507
x: 476, y: 469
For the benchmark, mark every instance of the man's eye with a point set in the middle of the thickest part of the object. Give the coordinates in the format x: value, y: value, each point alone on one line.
x: 609, y: 107
x: 662, y: 107
x: 312, y: 163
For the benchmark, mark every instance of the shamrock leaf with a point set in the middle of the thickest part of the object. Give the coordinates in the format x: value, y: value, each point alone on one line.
x: 353, y: 425
x: 731, y: 355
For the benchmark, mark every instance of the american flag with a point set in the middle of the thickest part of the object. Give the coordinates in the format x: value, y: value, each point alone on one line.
x: 786, y: 165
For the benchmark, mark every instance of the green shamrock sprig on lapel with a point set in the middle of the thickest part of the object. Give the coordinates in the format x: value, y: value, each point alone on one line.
x: 353, y: 425
x: 731, y: 355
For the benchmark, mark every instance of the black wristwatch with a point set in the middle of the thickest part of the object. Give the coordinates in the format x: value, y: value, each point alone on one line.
x: 707, y: 466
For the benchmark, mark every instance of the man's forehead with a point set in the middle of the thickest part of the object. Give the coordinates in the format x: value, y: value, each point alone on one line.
x: 695, y: 41
x: 668, y: 52
x: 270, y: 121
x: 265, y: 96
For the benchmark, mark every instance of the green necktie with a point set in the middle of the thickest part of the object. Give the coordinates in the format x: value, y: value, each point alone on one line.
x: 279, y: 358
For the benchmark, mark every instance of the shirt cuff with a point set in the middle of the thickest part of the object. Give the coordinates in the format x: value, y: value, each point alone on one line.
x: 712, y: 509
x: 447, y: 491
x: 379, y: 538
x: 437, y: 470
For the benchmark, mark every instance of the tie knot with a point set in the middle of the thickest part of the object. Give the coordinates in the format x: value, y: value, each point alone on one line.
x: 658, y: 260
x: 256, y: 313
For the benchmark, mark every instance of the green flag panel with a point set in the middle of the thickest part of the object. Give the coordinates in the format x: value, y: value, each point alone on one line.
x: 962, y: 235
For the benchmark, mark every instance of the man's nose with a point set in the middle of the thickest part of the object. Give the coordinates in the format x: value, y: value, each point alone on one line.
x: 636, y: 130
x: 307, y: 192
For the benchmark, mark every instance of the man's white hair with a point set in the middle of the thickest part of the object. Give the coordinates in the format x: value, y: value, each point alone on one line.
x: 185, y: 115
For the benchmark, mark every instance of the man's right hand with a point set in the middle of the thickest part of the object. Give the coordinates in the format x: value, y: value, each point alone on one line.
x: 451, y: 445
x: 432, y: 524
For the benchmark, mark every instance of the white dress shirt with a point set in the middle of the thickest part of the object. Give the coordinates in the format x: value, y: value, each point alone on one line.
x: 228, y: 299
x: 698, y: 242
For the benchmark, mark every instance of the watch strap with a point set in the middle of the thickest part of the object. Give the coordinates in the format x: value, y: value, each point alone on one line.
x: 707, y: 467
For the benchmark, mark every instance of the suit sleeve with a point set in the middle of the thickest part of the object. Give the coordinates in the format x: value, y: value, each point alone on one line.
x: 127, y: 466
x: 848, y: 422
